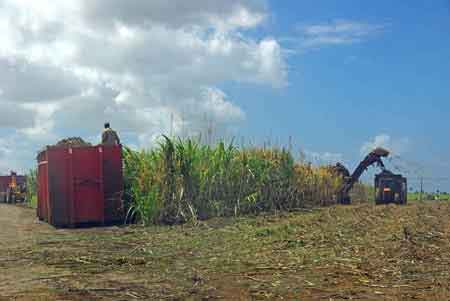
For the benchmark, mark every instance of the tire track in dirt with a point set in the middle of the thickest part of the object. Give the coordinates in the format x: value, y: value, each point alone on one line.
x: 20, y: 277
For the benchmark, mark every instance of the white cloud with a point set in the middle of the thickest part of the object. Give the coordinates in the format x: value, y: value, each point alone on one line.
x: 23, y: 81
x: 230, y: 14
x: 216, y: 104
x: 149, y: 67
x: 337, y: 32
x: 395, y: 146
x: 15, y: 154
x: 14, y: 116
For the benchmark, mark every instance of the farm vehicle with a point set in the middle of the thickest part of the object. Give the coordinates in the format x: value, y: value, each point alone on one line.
x: 12, y: 188
x: 389, y: 187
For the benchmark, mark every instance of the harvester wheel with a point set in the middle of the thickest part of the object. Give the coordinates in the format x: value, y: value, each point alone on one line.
x: 346, y: 200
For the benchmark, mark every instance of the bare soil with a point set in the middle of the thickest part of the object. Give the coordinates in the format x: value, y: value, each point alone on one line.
x: 362, y: 252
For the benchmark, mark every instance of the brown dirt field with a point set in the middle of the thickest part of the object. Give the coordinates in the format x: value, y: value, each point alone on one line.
x: 359, y: 252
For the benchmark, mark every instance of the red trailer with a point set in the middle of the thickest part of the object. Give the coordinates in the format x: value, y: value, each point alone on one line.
x: 4, y: 183
x: 80, y: 185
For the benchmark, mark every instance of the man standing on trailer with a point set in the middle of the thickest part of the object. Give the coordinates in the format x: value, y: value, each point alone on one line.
x: 109, y: 136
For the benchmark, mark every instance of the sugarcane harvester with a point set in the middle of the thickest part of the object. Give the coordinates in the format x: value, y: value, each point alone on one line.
x: 349, y: 180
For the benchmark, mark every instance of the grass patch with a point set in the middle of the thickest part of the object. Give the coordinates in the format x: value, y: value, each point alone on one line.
x: 417, y: 196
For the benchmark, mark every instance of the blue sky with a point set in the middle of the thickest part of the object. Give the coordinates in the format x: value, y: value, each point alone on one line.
x: 395, y: 82
x: 336, y: 77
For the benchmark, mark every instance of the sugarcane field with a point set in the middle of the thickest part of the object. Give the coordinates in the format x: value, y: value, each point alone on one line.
x: 224, y: 150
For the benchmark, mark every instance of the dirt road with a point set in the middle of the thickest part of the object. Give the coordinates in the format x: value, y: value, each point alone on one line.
x: 18, y: 233
x: 27, y: 248
x: 361, y: 252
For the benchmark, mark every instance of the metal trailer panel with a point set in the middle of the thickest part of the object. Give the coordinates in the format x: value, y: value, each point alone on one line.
x: 4, y: 182
x: 74, y: 190
x: 43, y: 195
x: 87, y: 197
x: 113, y: 184
x: 58, y: 202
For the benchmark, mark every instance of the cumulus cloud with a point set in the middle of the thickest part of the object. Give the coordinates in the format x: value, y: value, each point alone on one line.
x: 395, y: 146
x: 14, y: 116
x: 229, y: 14
x: 15, y: 154
x: 149, y: 67
x: 337, y: 32
x: 21, y: 79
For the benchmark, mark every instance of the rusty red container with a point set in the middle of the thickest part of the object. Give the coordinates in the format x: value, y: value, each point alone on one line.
x: 4, y: 182
x: 80, y: 185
